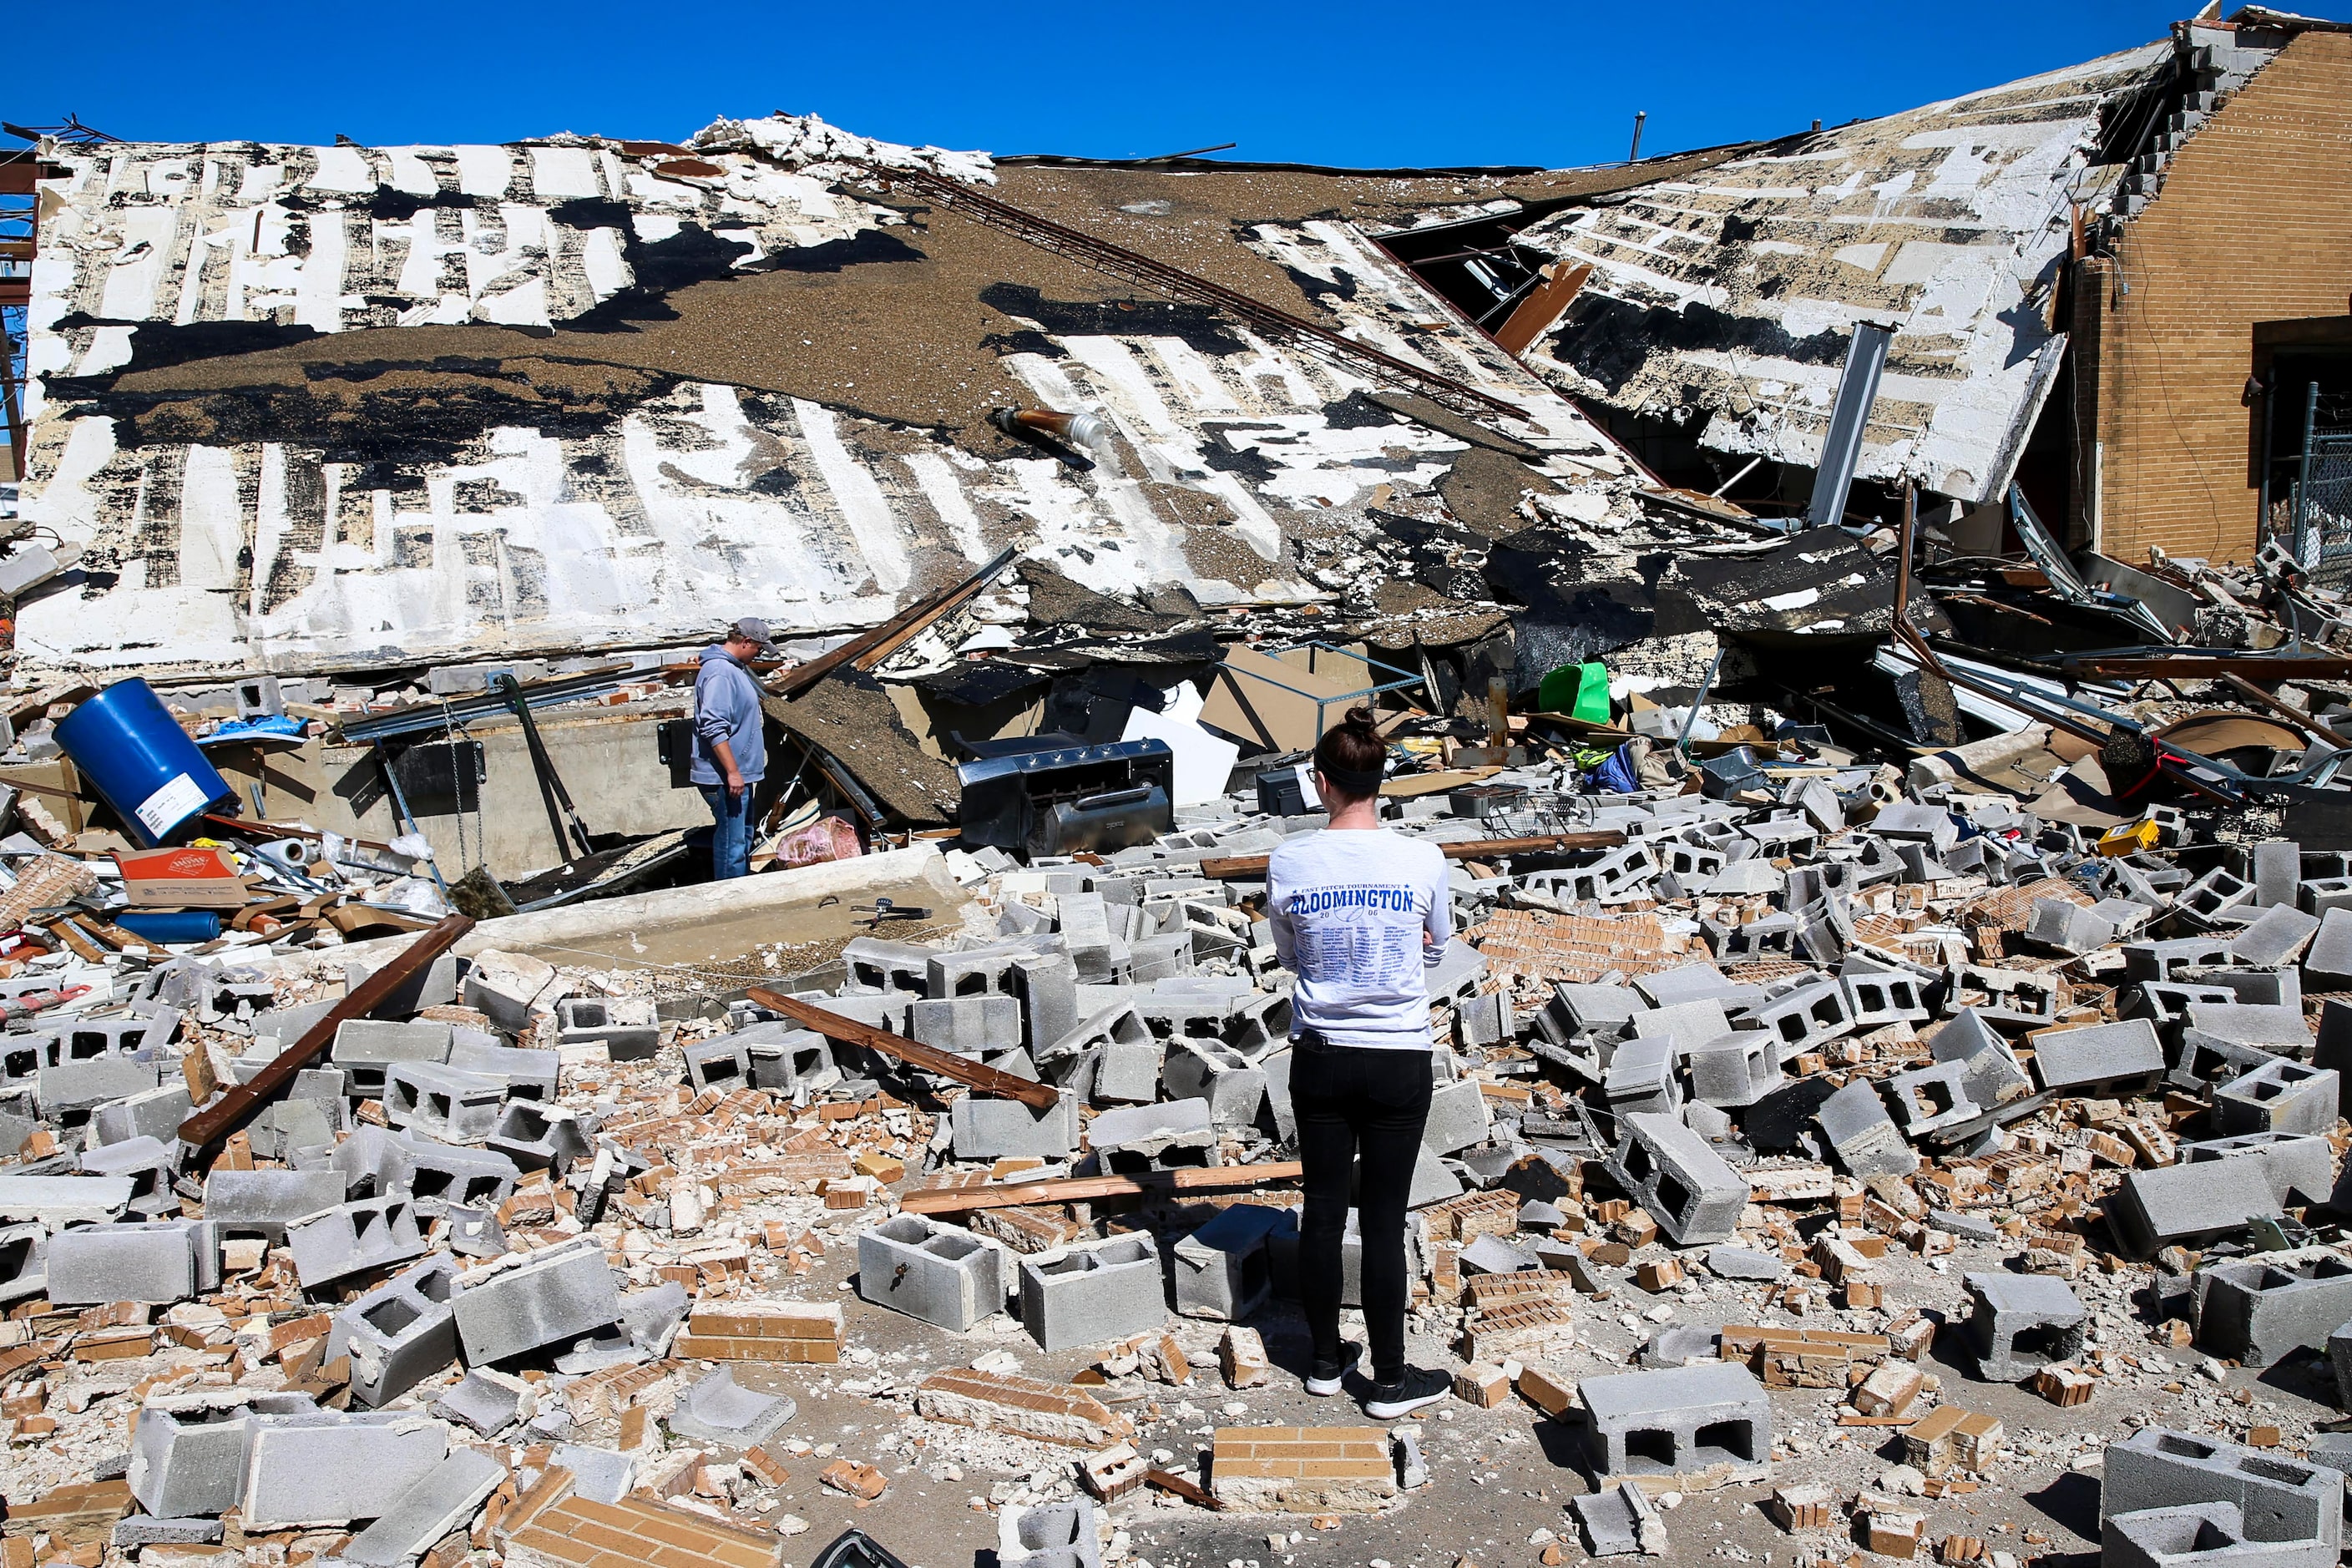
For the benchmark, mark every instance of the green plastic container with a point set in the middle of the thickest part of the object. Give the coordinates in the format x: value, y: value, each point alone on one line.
x: 1578, y: 690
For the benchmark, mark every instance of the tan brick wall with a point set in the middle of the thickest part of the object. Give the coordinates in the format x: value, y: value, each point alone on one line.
x: 2253, y: 224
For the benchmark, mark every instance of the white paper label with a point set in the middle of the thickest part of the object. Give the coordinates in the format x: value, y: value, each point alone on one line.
x: 168, y: 807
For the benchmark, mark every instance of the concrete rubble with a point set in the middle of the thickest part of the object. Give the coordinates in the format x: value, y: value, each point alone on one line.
x: 1889, y: 1069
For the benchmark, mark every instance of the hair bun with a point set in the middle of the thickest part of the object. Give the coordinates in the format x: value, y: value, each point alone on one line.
x: 1361, y: 718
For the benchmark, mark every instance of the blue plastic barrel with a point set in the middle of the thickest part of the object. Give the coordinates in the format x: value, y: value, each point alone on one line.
x: 142, y: 764
x: 167, y: 928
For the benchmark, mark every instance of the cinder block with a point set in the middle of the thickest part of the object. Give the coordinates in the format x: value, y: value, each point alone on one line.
x: 157, y: 1263
x: 718, y: 1409
x: 875, y: 964
x: 967, y: 1025
x: 349, y: 1237
x: 2012, y: 998
x: 528, y: 1074
x: 1128, y: 1055
x: 2278, y: 869
x: 627, y: 1027
x: 2199, y: 1535
x: 1854, y: 1123
x: 1048, y: 986
x: 262, y: 1202
x: 1620, y: 1521
x: 2189, y: 1205
x: 1734, y: 1069
x: 2327, y: 962
x: 188, y: 1450
x: 367, y: 1048
x: 539, y: 1137
x: 974, y: 973
x: 2280, y: 1499
x: 1223, y: 1269
x: 2279, y: 1096
x: 442, y: 1500
x: 2278, y: 936
x: 723, y: 1063
x: 1672, y: 1420
x: 1805, y: 1019
x: 156, y: 1114
x: 398, y: 1334
x: 72, y: 1087
x: 546, y: 1298
x: 24, y: 1261
x: 1090, y: 1296
x: 793, y: 1060
x: 1931, y: 1099
x: 2022, y: 1323
x: 2067, y: 927
x: 1641, y: 1077
x: 2165, y: 960
x: 987, y: 1129
x: 1203, y: 1070
x: 442, y: 1102
x: 1458, y: 1116
x: 508, y: 985
x: 1135, y: 1139
x: 149, y: 1163
x: 1055, y: 1535
x: 441, y: 1177
x: 330, y: 1467
x: 942, y: 1274
x: 2301, y: 1168
x: 2258, y: 1310
x: 1874, y: 998
x: 2105, y: 1060
x: 489, y: 1401
x: 1685, y: 1185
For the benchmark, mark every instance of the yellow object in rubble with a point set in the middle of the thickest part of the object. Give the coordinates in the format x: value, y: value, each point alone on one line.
x: 2130, y: 837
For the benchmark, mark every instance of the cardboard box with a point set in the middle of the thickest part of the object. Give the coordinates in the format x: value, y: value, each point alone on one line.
x: 181, y: 879
x: 1274, y: 704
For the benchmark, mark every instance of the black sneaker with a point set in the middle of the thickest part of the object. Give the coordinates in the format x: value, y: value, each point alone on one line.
x: 1411, y: 1391
x: 1322, y: 1384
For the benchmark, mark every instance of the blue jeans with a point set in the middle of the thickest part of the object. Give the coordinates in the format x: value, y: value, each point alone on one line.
x: 730, y: 842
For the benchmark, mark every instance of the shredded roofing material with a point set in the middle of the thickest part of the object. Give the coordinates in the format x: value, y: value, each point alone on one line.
x: 1726, y: 302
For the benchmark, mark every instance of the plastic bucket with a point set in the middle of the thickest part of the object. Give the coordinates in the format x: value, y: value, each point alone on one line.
x: 167, y: 928
x: 142, y: 764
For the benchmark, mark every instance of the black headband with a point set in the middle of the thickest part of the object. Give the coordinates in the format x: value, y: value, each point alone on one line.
x: 1351, y: 781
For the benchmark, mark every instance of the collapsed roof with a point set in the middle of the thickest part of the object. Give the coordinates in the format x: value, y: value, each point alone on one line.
x: 1725, y: 302
x: 326, y: 408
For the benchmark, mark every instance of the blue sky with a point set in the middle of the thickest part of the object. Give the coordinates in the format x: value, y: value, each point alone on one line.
x: 1370, y: 84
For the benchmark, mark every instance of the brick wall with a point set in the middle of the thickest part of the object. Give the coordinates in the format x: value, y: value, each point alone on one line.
x: 2253, y: 224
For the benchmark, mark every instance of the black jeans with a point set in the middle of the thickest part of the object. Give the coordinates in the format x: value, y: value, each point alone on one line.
x: 1351, y: 1102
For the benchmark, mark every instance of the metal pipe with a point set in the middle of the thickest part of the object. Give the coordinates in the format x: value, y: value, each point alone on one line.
x: 1081, y: 429
x: 2303, y: 475
x: 1634, y: 153
x: 1705, y: 685
x: 1716, y: 493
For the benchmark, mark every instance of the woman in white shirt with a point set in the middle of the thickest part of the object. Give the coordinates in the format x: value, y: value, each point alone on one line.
x: 1358, y: 911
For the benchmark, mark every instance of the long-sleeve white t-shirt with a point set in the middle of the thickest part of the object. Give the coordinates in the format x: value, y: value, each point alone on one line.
x: 1349, y: 912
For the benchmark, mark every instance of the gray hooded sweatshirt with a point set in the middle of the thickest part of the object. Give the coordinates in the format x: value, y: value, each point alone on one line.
x: 727, y: 707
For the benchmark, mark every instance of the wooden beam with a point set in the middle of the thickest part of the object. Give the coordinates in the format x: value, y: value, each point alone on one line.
x: 871, y: 648
x: 2298, y: 716
x: 1541, y: 308
x: 1233, y: 867
x: 981, y: 1079
x: 242, y: 1103
x: 1083, y: 1189
x: 1169, y: 1481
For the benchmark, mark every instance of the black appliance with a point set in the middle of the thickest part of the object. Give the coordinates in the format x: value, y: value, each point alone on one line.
x: 1062, y: 798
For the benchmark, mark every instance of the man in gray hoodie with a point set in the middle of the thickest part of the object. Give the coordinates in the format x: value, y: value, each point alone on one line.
x: 730, y: 743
